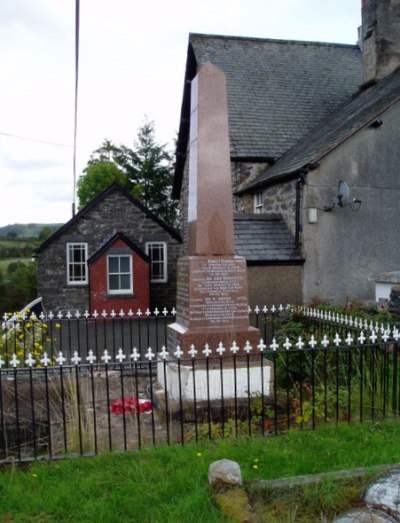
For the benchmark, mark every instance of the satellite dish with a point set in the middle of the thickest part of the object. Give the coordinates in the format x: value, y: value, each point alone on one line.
x: 343, y: 194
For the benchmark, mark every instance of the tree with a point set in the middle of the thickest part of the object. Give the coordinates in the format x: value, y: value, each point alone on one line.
x: 45, y: 233
x: 154, y: 176
x: 146, y: 171
x: 98, y: 176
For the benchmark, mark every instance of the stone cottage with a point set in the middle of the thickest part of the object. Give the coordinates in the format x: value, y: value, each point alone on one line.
x: 307, y: 120
x: 114, y: 254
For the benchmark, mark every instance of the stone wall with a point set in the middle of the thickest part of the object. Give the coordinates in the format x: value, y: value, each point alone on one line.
x: 274, y: 285
x: 278, y: 199
x: 113, y: 214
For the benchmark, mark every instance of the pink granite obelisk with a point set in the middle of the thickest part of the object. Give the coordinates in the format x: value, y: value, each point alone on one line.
x: 212, y: 298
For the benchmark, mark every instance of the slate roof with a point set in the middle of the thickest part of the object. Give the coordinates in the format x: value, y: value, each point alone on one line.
x: 265, y: 240
x: 81, y: 214
x: 365, y: 107
x: 278, y: 90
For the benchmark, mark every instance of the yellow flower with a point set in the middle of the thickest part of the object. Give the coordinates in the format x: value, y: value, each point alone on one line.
x: 255, y: 466
x: 199, y: 454
x: 58, y: 326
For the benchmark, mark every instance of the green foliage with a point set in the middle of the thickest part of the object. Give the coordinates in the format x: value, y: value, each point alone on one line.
x: 45, y: 233
x: 146, y: 170
x: 25, y: 230
x: 19, y: 288
x: 97, y: 177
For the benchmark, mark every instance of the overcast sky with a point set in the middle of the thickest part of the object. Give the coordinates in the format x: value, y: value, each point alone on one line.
x: 132, y: 62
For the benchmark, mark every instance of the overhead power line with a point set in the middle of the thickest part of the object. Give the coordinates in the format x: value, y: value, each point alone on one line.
x: 55, y: 144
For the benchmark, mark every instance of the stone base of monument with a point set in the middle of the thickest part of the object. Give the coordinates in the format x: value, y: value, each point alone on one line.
x: 186, y: 338
x: 201, y: 383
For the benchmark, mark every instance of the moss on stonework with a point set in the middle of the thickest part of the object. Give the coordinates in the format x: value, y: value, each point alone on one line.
x: 235, y: 503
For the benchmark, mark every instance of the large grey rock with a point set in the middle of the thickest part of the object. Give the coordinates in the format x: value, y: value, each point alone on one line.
x: 384, y: 493
x: 364, y: 515
x: 225, y: 471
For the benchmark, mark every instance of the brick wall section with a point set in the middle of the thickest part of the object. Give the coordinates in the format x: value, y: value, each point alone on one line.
x: 113, y: 214
x: 100, y: 299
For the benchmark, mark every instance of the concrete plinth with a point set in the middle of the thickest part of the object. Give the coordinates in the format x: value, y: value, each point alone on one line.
x: 201, y: 383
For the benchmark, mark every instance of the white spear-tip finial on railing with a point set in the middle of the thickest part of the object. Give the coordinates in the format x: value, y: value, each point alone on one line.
x: 60, y: 359
x: 373, y: 336
x: 337, y: 340
x: 178, y: 353
x: 30, y: 361
x: 248, y: 348
x: 221, y: 349
x: 135, y: 354
x: 313, y: 342
x: 349, y: 339
x: 361, y: 338
x: 150, y: 354
x: 106, y: 357
x: 90, y: 358
x: 207, y: 351
x: 287, y: 344
x: 14, y: 360
x: 299, y: 343
x: 120, y: 357
x: 45, y: 360
x: 325, y: 341
x: 164, y: 353
x: 192, y: 352
x: 234, y: 347
x: 274, y: 346
x: 261, y: 346
x: 76, y: 359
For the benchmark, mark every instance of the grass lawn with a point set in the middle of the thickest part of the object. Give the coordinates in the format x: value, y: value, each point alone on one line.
x: 169, y: 484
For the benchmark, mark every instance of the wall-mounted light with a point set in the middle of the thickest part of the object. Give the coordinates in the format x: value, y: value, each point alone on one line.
x: 312, y: 215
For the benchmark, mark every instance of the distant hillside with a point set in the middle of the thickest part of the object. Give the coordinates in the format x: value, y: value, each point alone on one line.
x: 26, y: 230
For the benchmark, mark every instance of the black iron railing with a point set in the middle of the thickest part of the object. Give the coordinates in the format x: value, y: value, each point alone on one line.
x: 67, y: 404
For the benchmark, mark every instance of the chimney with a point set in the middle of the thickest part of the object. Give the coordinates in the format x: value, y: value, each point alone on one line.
x: 380, y: 38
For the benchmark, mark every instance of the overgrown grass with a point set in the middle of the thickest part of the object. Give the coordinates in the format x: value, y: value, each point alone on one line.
x: 169, y: 484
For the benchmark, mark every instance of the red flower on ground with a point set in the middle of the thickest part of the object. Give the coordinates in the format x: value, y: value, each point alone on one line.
x: 129, y: 406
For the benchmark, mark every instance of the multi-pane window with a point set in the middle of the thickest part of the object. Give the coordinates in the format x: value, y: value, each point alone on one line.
x: 259, y: 202
x: 77, y: 273
x: 157, y: 252
x: 119, y: 274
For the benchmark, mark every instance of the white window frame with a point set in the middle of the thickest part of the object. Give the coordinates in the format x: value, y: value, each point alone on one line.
x: 164, y: 262
x: 259, y: 202
x: 120, y: 273
x: 69, y: 247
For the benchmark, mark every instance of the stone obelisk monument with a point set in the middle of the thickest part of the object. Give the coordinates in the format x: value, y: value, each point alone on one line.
x: 212, y: 297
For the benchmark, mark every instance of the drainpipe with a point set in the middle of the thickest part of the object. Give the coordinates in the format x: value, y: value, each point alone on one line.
x: 299, y: 182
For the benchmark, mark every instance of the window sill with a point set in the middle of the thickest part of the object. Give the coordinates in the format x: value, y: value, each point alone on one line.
x: 117, y: 296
